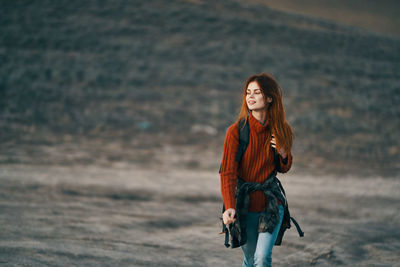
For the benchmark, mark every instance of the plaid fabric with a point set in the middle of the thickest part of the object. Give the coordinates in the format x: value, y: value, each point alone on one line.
x: 269, y: 217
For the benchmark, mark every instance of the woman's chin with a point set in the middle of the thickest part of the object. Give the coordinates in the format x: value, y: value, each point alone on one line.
x: 256, y: 109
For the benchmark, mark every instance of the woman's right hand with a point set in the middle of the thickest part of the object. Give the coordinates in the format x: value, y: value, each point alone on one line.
x: 229, y: 216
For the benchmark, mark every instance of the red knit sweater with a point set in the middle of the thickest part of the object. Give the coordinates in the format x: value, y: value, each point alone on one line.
x: 255, y: 165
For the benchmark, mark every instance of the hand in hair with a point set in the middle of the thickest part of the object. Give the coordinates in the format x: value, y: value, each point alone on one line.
x: 281, y: 151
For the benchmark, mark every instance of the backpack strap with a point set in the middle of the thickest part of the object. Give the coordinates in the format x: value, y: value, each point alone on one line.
x: 301, y: 233
x: 244, y: 136
x: 276, y: 161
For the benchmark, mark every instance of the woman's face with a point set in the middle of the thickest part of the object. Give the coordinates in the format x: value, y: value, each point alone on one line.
x: 254, y: 97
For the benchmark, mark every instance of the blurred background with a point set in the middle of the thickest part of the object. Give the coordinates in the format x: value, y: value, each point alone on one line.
x: 103, y: 100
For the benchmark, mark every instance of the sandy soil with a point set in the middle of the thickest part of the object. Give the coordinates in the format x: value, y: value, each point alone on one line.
x: 130, y: 216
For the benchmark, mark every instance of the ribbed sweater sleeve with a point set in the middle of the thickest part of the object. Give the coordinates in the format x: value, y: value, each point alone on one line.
x: 285, y: 165
x: 229, y: 166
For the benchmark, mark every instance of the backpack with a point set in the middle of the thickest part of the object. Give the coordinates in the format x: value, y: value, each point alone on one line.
x: 244, y: 135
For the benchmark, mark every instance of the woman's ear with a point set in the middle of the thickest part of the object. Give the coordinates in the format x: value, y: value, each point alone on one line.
x: 269, y: 99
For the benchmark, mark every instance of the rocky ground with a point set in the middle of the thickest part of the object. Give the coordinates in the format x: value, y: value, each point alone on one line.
x: 128, y: 216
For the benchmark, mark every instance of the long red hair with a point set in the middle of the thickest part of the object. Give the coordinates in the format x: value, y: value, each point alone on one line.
x: 275, y: 113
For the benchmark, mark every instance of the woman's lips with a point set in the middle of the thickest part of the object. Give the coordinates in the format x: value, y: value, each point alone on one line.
x: 252, y: 102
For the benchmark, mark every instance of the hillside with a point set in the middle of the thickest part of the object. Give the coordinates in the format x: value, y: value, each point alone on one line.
x: 378, y: 16
x: 145, y: 82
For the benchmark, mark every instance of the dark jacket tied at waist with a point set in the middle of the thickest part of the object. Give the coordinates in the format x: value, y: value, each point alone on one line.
x: 269, y: 218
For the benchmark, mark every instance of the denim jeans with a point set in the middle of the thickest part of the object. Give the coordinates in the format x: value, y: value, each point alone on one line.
x: 258, y: 248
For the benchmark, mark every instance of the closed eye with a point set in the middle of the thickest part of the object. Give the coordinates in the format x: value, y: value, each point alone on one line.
x: 257, y: 91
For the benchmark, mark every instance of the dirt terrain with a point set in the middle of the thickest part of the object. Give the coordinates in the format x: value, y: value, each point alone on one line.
x: 128, y: 216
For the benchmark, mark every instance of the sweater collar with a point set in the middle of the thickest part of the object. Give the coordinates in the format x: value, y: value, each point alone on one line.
x: 256, y: 125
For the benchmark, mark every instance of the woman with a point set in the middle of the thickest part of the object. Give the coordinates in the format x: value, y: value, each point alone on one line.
x: 263, y: 110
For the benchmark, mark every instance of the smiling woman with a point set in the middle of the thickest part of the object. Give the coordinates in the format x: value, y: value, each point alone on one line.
x: 262, y: 110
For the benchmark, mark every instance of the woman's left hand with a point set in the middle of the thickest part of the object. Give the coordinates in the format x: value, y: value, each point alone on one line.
x: 281, y: 151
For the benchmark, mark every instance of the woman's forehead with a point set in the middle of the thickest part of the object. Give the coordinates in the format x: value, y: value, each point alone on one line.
x: 253, y: 85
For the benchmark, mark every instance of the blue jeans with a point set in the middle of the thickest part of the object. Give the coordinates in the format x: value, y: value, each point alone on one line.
x: 258, y: 248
